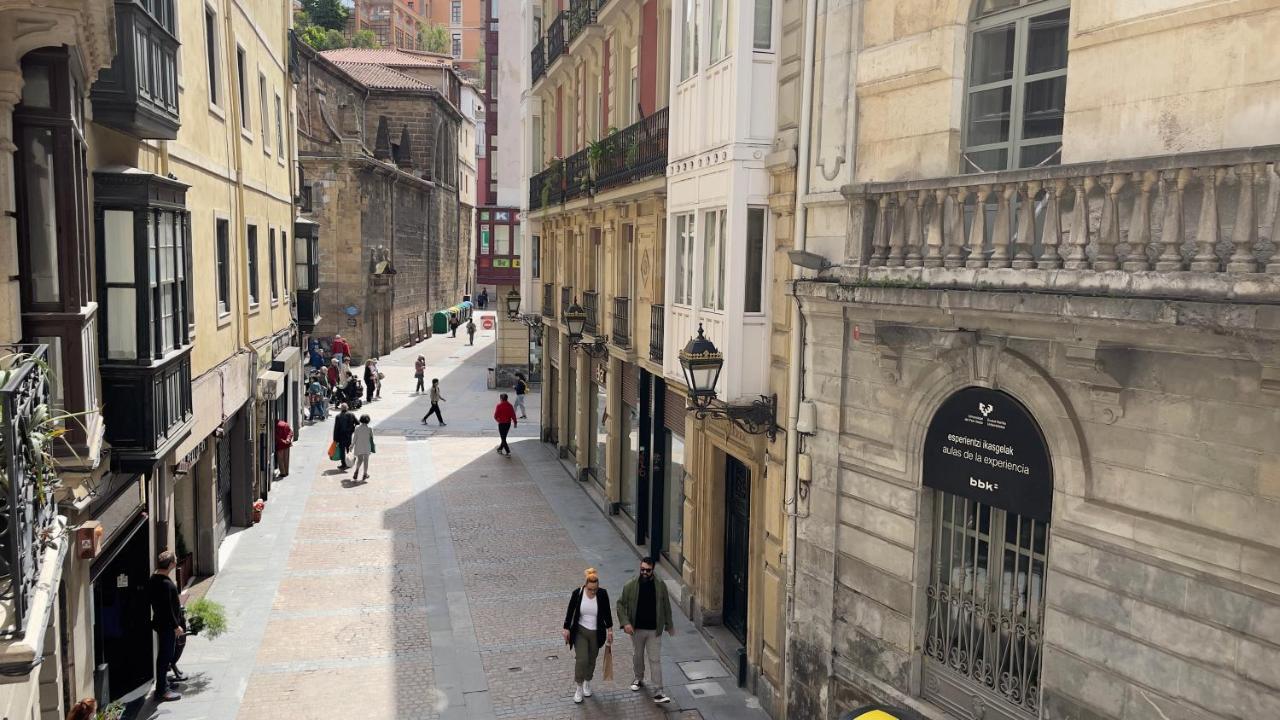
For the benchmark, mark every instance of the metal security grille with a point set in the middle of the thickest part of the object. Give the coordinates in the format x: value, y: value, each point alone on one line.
x: 986, y: 608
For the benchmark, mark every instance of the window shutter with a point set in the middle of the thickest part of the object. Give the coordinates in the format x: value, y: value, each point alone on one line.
x: 630, y: 385
x: 674, y: 411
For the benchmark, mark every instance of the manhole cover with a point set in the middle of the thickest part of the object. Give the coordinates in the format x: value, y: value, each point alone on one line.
x: 703, y: 669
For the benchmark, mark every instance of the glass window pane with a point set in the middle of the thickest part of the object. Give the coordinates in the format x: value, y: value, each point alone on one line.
x: 502, y: 239
x: 680, y: 266
x: 987, y: 7
x: 762, y: 27
x: 40, y: 182
x: 117, y: 225
x: 57, y: 395
x: 755, y: 260
x: 122, y: 323
x: 992, y: 55
x: 720, y: 254
x: 673, y: 518
x: 717, y: 30
x: 1047, y: 42
x: 1043, y: 106
x: 151, y: 249
x: 166, y: 247
x: 710, y: 227
x: 986, y: 160
x: 36, y: 90
x: 630, y: 456
x: 989, y: 116
x: 1033, y: 155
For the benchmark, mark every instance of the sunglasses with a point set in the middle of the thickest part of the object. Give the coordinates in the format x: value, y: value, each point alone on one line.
x: 646, y: 571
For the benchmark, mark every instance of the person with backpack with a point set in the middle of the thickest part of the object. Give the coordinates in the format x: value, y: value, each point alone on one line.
x: 471, y: 331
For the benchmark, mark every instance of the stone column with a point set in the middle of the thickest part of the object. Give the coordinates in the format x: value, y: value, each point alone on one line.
x: 10, y: 299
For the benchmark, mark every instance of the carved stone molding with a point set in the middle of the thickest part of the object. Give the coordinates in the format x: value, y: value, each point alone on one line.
x: 1102, y: 369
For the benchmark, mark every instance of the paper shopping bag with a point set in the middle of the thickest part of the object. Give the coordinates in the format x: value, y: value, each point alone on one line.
x: 333, y: 450
x: 608, y: 663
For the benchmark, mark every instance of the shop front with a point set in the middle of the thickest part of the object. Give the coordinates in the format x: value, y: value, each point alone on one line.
x: 122, y: 642
x: 598, y: 392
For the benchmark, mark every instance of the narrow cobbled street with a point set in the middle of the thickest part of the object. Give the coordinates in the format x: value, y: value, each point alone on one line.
x: 435, y: 590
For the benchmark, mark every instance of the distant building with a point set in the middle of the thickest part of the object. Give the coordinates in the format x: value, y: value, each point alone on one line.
x: 396, y: 23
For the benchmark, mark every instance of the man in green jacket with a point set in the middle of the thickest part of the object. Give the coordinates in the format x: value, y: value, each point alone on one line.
x: 644, y: 611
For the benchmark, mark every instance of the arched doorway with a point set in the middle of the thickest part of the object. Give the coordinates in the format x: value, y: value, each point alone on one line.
x: 988, y: 465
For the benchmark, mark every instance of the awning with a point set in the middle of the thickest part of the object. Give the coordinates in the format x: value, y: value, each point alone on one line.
x: 270, y: 384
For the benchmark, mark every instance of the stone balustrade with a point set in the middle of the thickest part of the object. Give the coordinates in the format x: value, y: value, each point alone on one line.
x: 1147, y: 226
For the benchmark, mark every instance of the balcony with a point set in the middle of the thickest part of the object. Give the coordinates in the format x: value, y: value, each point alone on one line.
x: 538, y: 60
x: 566, y: 299
x: 591, y: 306
x: 548, y: 300
x: 582, y: 14
x: 147, y: 408
x: 138, y: 94
x: 1171, y: 226
x: 306, y: 254
x: 621, y: 335
x: 28, y: 431
x: 657, y: 325
x: 634, y: 153
x: 556, y: 41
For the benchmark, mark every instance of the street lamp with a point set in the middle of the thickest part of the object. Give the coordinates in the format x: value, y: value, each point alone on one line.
x: 575, y: 319
x: 702, y: 363
x: 513, y: 304
x: 533, y: 321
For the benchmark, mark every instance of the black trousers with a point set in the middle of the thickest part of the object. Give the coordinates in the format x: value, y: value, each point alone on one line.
x: 369, y: 387
x: 435, y: 410
x: 167, y: 641
x: 419, y: 387
x: 503, y: 429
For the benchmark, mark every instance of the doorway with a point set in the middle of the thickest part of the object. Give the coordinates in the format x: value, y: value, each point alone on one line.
x: 122, y: 643
x: 737, y: 541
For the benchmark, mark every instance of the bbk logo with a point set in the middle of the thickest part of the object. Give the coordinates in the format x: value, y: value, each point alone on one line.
x: 983, y: 484
x: 985, y: 409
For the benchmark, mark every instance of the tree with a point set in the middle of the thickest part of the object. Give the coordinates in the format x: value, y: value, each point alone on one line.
x: 365, y: 39
x: 321, y: 39
x: 328, y: 14
x: 434, y: 38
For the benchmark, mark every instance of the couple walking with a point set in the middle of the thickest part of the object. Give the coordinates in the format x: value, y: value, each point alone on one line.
x: 644, y: 611
x: 352, y: 437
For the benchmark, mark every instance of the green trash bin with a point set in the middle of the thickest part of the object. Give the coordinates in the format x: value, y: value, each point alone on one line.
x: 440, y: 322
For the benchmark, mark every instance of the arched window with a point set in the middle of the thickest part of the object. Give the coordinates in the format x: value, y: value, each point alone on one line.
x: 1016, y: 84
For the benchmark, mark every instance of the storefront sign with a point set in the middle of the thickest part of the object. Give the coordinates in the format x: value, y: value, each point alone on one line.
x: 602, y: 373
x: 984, y: 445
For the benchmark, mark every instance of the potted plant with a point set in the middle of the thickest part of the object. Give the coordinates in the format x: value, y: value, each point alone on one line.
x: 258, y: 506
x: 206, y: 616
x: 114, y: 711
x: 597, y: 150
x: 555, y: 168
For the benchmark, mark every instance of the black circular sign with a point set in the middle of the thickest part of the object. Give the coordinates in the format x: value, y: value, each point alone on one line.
x: 984, y: 445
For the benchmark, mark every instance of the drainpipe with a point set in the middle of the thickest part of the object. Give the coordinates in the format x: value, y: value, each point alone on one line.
x: 797, y: 328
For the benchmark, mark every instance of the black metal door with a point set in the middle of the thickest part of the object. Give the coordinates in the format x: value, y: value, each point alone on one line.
x: 737, y: 494
x: 122, y: 618
x: 224, y: 486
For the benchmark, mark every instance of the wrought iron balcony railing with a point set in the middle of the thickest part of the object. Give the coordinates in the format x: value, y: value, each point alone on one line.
x: 591, y: 306
x: 548, y: 300
x: 581, y: 14
x: 621, y: 335
x: 657, y: 324
x: 557, y: 44
x: 1113, y: 227
x: 28, y: 429
x: 628, y: 155
x: 566, y: 299
x: 538, y: 60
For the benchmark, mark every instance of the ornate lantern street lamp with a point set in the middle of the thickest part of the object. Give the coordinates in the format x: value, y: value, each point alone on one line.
x: 575, y: 319
x: 702, y: 362
x: 532, y: 321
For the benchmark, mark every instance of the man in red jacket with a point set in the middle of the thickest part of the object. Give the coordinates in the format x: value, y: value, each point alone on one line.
x: 506, y: 417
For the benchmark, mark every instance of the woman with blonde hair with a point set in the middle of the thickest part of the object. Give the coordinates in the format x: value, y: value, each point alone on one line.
x: 588, y: 624
x: 86, y: 709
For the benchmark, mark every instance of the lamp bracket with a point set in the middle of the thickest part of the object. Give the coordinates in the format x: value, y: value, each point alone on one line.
x: 759, y: 417
x: 597, y: 348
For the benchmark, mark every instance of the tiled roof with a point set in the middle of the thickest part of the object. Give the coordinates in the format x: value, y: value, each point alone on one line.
x: 380, y: 77
x: 388, y: 57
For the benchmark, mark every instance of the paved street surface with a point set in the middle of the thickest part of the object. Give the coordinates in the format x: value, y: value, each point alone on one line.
x: 437, y: 589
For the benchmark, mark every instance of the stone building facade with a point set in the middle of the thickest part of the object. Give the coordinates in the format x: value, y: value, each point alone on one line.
x: 379, y: 154
x: 1041, y: 476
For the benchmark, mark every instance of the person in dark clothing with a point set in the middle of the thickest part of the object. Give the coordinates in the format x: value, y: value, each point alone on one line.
x: 436, y: 399
x: 166, y: 620
x: 344, y: 428
x: 351, y: 390
x: 370, y: 380
x: 588, y: 625
x: 454, y: 322
x: 506, y: 417
x: 644, y: 611
x: 522, y: 387
x: 471, y: 332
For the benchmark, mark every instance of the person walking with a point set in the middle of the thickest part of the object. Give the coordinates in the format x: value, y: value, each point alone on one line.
x: 377, y: 380
x: 316, y: 396
x: 419, y: 372
x: 370, y: 379
x: 314, y: 358
x: 483, y: 300
x: 506, y: 417
x: 454, y: 322
x: 362, y: 446
x: 166, y: 620
x: 471, y: 331
x: 341, y: 351
x: 284, y: 441
x: 344, y: 427
x: 436, y: 399
x: 644, y: 611
x: 522, y: 387
x: 588, y: 625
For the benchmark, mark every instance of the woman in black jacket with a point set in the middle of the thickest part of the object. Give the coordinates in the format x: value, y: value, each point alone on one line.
x: 588, y: 624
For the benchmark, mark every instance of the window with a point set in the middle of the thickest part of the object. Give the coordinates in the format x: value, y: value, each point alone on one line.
x: 624, y: 261
x: 753, y: 300
x: 284, y: 261
x: 262, y: 108
x: 211, y: 53
x: 455, y: 12
x: 713, y: 260
x: 689, y: 39
x: 762, y: 26
x: 684, y: 259
x: 243, y: 87
x: 1017, y: 85
x: 271, y: 265
x: 279, y: 130
x: 224, y: 267
x: 251, y: 255
x: 673, y: 518
x: 537, y: 260
x: 457, y: 45
x: 718, y: 35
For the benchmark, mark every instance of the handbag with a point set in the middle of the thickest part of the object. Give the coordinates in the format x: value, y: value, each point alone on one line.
x: 607, y: 662
x: 333, y: 450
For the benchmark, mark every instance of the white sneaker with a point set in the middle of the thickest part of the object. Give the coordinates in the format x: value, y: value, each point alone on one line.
x: 577, y: 695
x: 586, y: 689
x: 636, y: 685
